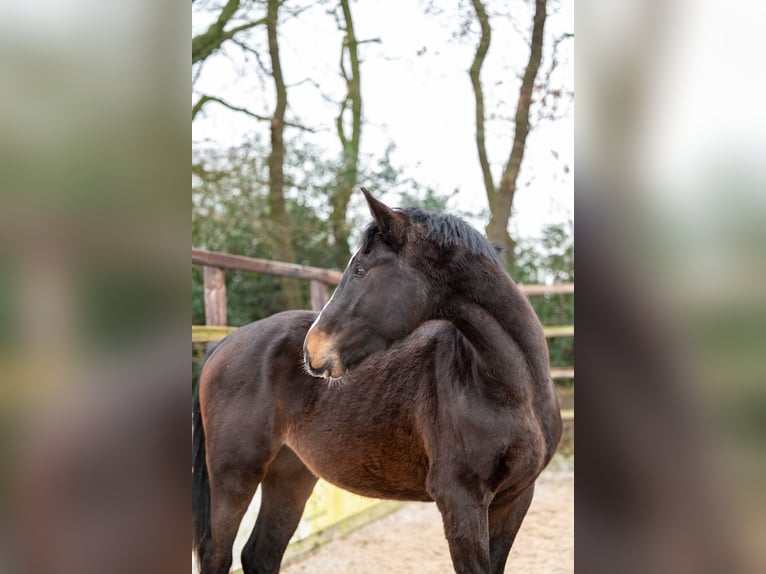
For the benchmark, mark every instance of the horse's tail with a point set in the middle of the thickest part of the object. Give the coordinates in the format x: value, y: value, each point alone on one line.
x: 200, y: 485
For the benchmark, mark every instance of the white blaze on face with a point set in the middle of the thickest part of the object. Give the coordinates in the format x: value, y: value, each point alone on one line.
x: 333, y: 294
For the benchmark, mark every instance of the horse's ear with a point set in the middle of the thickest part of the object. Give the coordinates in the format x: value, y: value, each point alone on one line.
x: 392, y: 224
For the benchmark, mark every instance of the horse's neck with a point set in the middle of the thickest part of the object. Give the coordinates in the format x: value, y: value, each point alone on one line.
x: 493, y: 317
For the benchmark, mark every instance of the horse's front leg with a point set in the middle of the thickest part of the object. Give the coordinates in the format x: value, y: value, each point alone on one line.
x: 505, y: 516
x: 464, y: 512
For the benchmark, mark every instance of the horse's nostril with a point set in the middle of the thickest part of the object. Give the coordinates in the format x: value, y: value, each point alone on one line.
x: 325, y: 369
x: 318, y: 369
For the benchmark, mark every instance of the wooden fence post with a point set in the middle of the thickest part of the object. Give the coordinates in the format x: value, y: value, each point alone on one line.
x: 215, y: 296
x: 318, y: 295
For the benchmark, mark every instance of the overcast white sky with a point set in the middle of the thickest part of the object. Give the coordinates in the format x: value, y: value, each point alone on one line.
x: 416, y: 94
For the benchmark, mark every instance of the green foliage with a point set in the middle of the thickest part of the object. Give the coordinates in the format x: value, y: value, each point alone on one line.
x: 230, y: 214
x: 550, y: 259
x: 426, y: 199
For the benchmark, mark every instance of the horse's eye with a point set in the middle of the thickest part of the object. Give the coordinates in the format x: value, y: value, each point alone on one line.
x: 359, y: 271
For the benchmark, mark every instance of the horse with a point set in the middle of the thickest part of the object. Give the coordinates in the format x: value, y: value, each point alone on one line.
x: 425, y: 377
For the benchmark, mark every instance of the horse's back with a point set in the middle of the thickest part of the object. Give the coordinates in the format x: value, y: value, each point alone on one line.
x: 263, y: 334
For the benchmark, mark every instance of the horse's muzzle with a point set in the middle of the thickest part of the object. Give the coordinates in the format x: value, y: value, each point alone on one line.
x: 319, y: 356
x: 327, y: 370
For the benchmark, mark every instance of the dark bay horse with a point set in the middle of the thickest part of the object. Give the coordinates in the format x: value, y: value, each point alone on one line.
x: 437, y: 388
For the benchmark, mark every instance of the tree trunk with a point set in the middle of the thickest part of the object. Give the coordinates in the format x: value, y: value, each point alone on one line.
x: 348, y: 173
x: 281, y: 227
x: 475, y: 73
x: 501, y: 197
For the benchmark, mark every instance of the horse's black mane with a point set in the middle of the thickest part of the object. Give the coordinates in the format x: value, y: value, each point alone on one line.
x: 445, y: 230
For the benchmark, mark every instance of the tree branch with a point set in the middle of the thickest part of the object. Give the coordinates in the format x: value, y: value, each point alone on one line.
x: 339, y: 124
x: 513, y: 166
x: 206, y: 43
x: 475, y: 74
x: 204, y: 99
x: 231, y: 33
x: 209, y: 41
x: 245, y: 48
x: 555, y: 58
x: 349, y: 170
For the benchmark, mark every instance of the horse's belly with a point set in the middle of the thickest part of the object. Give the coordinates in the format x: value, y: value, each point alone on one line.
x: 378, y: 466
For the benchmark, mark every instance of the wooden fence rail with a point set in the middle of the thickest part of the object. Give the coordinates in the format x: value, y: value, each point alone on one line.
x: 226, y: 261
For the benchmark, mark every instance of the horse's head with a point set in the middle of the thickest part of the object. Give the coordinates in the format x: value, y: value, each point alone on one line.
x: 381, y: 297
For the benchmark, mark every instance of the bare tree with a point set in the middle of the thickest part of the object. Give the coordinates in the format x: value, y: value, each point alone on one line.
x: 281, y: 226
x: 501, y: 195
x: 348, y: 171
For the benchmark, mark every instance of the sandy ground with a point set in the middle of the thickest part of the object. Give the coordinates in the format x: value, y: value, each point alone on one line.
x: 411, y: 540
